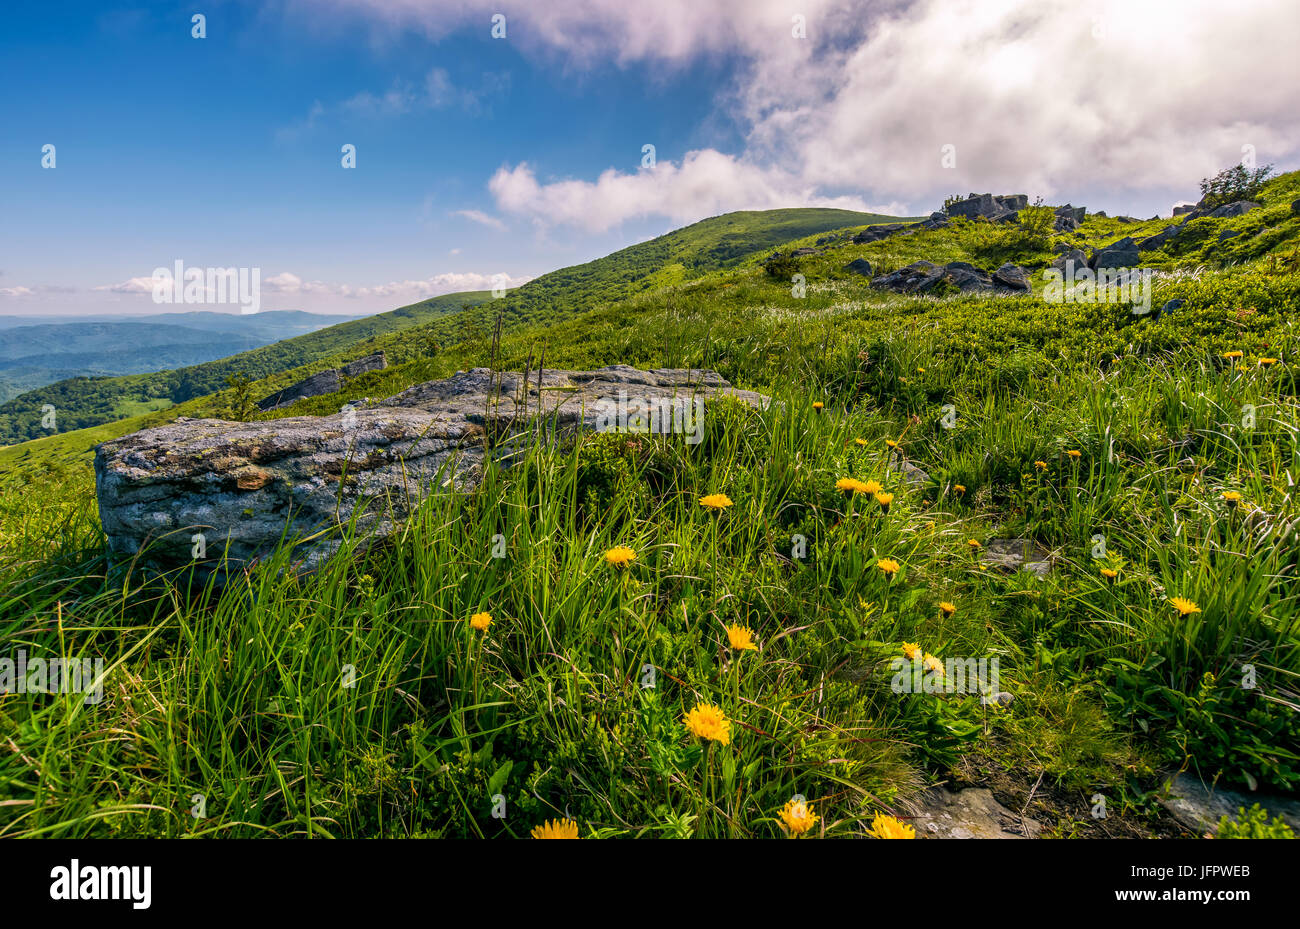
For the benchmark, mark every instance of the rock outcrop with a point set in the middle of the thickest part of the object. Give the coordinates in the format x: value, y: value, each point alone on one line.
x: 325, y: 382
x: 995, y: 209
x: 924, y: 277
x: 201, y: 489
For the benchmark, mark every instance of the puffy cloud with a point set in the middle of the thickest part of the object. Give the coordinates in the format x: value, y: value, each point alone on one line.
x: 1044, y: 97
x: 706, y: 183
x: 16, y: 292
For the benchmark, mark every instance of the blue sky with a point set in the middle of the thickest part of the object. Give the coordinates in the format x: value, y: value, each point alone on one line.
x: 479, y: 156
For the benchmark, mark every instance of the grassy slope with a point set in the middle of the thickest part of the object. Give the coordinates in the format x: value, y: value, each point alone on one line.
x: 85, y: 402
x: 681, y: 255
x: 237, y: 696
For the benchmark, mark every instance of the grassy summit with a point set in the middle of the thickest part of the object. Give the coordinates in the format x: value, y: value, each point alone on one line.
x: 1152, y: 463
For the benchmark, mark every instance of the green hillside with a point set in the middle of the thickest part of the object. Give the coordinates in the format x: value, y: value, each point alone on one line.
x: 1147, y: 462
x: 681, y: 255
x: 83, y: 402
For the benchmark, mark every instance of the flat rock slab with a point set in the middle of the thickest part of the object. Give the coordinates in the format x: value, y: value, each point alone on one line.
x: 969, y: 814
x: 198, y: 490
x: 1199, y: 807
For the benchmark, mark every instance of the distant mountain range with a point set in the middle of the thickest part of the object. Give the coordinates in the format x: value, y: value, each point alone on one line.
x: 38, y: 351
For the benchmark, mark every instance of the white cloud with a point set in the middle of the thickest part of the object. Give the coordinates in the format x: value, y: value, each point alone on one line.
x: 1044, y: 97
x: 481, y: 218
x: 16, y: 292
x: 436, y: 92
x: 706, y: 183
x: 447, y: 283
x: 132, y: 285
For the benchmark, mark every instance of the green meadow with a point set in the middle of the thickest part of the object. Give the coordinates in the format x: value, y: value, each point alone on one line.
x: 1154, y: 461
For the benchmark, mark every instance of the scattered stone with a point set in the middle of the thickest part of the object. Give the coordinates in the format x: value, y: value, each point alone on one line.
x: 878, y: 232
x: 244, y: 485
x: 1121, y: 254
x: 1199, y: 807
x: 1169, y: 307
x: 325, y: 382
x: 1295, y: 207
x: 969, y: 814
x: 1237, y: 208
x: 859, y: 266
x: 801, y: 252
x: 1069, y: 259
x: 922, y: 277
x: 1011, y: 276
x: 1160, y: 238
x: 912, y: 475
x: 1187, y: 208
x: 1012, y: 555
x: 1227, y: 234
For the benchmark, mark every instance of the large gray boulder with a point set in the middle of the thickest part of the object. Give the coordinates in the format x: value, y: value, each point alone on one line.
x: 1160, y: 238
x: 1069, y: 259
x: 197, y: 489
x: 987, y: 206
x: 1121, y: 254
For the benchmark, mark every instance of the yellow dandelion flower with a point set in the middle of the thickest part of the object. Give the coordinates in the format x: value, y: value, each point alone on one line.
x: 481, y: 621
x: 818, y: 406
x: 1231, y: 497
x: 741, y: 638
x: 884, y: 500
x: 861, y: 441
x: 620, y: 556
x: 1073, y: 452
x: 911, y: 651
x: 1268, y: 361
x: 556, y: 829
x: 1040, y: 465
x: 851, y: 485
x: 1109, y: 573
x: 715, y: 502
x: 946, y: 608
x: 888, y: 565
x: 887, y: 827
x: 1233, y: 354
x: 1184, y: 606
x: 709, y: 722
x: 960, y: 488
x: 872, y: 487
x: 798, y: 816
x: 974, y: 544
